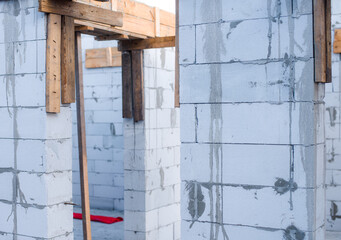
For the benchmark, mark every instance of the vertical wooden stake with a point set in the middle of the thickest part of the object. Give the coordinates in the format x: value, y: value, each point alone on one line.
x: 127, y: 85
x: 53, y: 67
x: 138, y: 85
x: 177, y: 68
x: 68, y: 60
x: 83, y: 165
x: 329, y: 40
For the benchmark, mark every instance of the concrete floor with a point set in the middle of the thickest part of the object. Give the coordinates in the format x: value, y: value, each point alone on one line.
x: 100, y: 231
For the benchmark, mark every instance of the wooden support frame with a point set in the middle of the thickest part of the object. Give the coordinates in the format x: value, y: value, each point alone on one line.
x: 140, y: 44
x: 53, y: 66
x: 82, y: 11
x: 322, y: 40
x: 83, y: 166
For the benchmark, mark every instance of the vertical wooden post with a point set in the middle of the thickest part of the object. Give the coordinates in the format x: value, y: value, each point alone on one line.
x: 127, y: 85
x: 138, y: 86
x: 83, y: 165
x: 68, y: 60
x: 322, y: 40
x: 53, y: 68
x: 177, y: 68
x: 329, y: 40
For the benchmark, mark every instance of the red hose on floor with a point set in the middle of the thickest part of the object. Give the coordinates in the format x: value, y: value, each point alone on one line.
x: 102, y: 219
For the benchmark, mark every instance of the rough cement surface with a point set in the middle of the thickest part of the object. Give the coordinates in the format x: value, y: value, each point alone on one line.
x: 252, y: 121
x: 36, y: 147
x: 152, y: 156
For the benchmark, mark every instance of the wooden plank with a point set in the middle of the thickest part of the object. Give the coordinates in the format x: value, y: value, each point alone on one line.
x: 109, y: 56
x: 83, y: 165
x: 143, y: 11
x: 81, y: 11
x: 102, y: 57
x: 157, y: 27
x: 337, y: 41
x: 133, y: 24
x: 127, y: 85
x: 320, y: 48
x: 53, y: 65
x: 137, y: 44
x: 68, y: 60
x: 138, y: 85
x: 112, y: 37
x: 177, y: 70
x: 108, y: 29
x: 329, y: 41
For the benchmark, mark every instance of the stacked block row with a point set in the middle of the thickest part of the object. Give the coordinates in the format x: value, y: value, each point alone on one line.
x: 333, y: 134
x: 152, y: 156
x: 252, y: 121
x: 35, y: 147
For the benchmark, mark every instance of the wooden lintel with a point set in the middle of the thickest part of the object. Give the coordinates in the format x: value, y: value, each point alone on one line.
x: 82, y: 11
x: 140, y: 44
x: 53, y: 66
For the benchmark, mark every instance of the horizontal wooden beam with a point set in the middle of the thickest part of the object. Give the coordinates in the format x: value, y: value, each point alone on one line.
x: 139, y: 21
x: 82, y: 11
x: 139, y: 44
x: 105, y: 29
x: 112, y: 37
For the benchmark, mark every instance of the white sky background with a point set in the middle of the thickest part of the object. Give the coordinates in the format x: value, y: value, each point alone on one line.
x: 167, y: 5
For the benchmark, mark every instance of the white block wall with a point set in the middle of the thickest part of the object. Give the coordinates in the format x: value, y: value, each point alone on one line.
x: 152, y: 156
x: 35, y: 147
x: 252, y: 121
x: 333, y: 133
x: 104, y: 133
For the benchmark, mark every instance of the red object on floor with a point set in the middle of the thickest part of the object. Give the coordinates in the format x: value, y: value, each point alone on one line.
x: 102, y: 219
